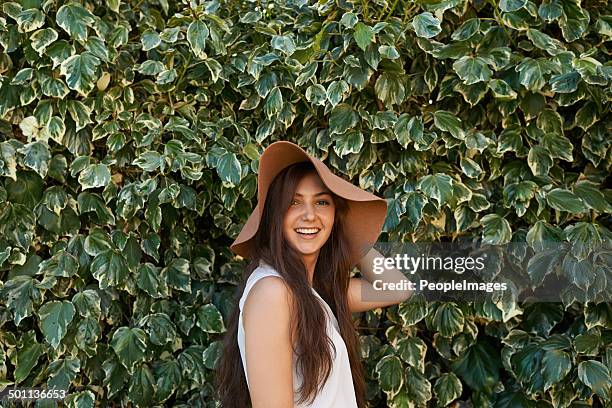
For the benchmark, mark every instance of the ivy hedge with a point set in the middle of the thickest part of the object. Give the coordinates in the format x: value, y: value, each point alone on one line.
x: 130, y: 133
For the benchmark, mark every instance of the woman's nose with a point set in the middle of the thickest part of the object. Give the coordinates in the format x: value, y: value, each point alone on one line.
x: 309, y: 212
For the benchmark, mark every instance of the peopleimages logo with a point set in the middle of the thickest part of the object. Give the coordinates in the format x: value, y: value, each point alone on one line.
x: 411, y: 264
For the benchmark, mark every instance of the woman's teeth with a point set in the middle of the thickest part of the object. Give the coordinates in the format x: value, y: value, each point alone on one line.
x: 307, y: 231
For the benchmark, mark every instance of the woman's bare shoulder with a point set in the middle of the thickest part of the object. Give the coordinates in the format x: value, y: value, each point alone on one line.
x: 269, y: 295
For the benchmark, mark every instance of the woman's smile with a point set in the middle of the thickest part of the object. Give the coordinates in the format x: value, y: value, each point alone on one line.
x: 308, y: 233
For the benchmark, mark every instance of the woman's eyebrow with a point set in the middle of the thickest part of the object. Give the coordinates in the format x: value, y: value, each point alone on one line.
x: 316, y: 195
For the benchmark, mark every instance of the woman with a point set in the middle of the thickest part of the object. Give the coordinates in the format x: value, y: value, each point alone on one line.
x: 291, y: 341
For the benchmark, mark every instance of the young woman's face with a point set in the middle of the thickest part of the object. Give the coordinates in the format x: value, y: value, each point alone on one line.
x: 309, y: 220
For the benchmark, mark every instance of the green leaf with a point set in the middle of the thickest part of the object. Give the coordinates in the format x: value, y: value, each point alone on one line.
x: 18, y: 293
x: 476, y: 367
x: 90, y: 202
x: 284, y: 44
x: 109, y: 268
x: 363, y: 35
x: 350, y: 142
x: 564, y: 83
x: 42, y: 38
x: 550, y: 10
x: 438, y: 186
x: 556, y: 364
x: 274, y: 102
x: 501, y: 90
x: 390, y: 89
x: 54, y: 318
x: 74, y: 19
x: 97, y: 242
x: 150, y: 280
x: 414, y: 310
x: 564, y: 200
x: 545, y: 42
x: 130, y: 346
x: 448, y: 320
x: 196, y: 36
x: 96, y: 46
x: 150, y: 161
x: 95, y: 175
x: 447, y: 388
x: 587, y: 344
x: 542, y: 264
x: 472, y: 70
x: 27, y: 357
x: 80, y: 71
x: 532, y: 72
x: 342, y: 118
x: 229, y: 169
x: 212, y: 354
x: 495, y: 230
x: 56, y: 129
x: 466, y: 30
x: 349, y: 20
x: 168, y: 374
x: 36, y: 157
x: 558, y: 145
x: 54, y: 87
x: 62, y: 372
x: 159, y: 327
x: 83, y: 399
x: 511, y: 5
x: 542, y: 234
x: 599, y: 314
x: 596, y: 376
x: 417, y: 386
x: 141, y: 388
x: 408, y: 129
x: 151, y: 67
x: 448, y: 122
x: 539, y: 160
x: 192, y: 363
x: 209, y: 319
x: 412, y: 350
x: 150, y: 39
x: 80, y: 113
x: 60, y: 264
x: 389, y: 52
x: 470, y: 168
x: 390, y: 374
x: 29, y: 20
x: 115, y: 376
x: 87, y: 303
x: 584, y: 237
x: 336, y: 92
x: 426, y: 25
x: 591, y: 195
x: 307, y: 73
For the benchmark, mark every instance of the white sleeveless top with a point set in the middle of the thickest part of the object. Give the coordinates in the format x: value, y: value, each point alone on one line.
x: 338, y: 390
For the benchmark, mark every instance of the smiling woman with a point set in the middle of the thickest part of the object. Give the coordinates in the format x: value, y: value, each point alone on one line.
x: 291, y: 340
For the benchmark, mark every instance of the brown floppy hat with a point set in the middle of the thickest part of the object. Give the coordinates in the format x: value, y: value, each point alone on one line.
x: 365, y: 217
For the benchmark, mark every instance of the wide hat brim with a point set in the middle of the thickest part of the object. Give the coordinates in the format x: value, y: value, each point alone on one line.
x: 365, y: 217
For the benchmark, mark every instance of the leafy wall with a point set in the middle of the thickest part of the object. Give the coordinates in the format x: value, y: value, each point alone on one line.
x: 129, y: 139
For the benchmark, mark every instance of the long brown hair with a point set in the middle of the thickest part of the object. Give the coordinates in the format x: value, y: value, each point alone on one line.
x: 330, y: 280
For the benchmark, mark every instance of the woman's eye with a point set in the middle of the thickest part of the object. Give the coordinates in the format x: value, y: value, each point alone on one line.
x: 324, y: 202
x: 294, y: 202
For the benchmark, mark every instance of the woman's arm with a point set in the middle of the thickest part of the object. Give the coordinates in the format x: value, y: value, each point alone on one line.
x: 268, y: 347
x: 363, y: 294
